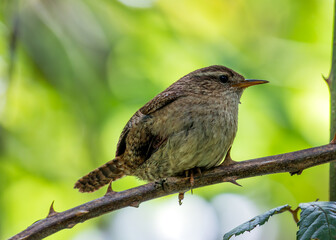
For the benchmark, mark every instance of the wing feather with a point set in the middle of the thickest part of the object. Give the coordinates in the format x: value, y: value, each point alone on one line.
x: 140, y: 117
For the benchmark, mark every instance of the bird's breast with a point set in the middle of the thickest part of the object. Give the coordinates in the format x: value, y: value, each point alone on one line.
x: 200, y: 131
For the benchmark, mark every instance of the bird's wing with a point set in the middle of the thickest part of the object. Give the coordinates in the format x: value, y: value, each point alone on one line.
x: 139, y: 147
x: 139, y: 120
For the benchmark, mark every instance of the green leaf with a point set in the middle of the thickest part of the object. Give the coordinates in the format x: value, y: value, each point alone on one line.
x: 258, y: 220
x: 317, y: 221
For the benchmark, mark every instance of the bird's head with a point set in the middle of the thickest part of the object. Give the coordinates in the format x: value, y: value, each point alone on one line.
x: 216, y: 80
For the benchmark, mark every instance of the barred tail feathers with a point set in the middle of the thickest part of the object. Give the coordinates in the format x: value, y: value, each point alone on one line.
x: 101, y: 176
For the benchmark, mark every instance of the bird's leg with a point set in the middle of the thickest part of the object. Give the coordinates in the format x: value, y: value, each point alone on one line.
x: 189, y: 173
x: 192, y: 179
x: 228, y: 160
x: 186, y: 172
x: 199, y: 171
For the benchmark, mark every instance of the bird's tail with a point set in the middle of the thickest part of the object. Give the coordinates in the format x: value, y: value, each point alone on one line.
x: 101, y: 176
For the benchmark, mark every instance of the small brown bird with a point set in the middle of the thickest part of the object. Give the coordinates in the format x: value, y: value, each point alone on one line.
x: 191, y: 124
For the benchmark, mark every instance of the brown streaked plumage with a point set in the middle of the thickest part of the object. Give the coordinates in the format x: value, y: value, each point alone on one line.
x: 190, y: 124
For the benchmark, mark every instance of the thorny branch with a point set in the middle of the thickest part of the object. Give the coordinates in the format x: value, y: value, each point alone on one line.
x: 331, y: 81
x: 293, y: 162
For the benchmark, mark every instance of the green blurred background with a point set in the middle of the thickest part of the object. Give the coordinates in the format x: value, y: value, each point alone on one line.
x: 73, y: 72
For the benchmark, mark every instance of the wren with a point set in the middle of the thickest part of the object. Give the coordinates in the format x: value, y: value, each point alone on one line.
x: 191, y: 124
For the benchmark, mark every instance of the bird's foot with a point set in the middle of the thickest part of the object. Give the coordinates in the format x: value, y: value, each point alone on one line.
x: 180, y: 197
x: 161, y: 183
x: 190, y: 173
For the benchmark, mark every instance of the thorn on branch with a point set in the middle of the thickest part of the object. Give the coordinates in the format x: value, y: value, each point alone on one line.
x: 135, y: 204
x: 327, y: 80
x: 232, y: 180
x: 296, y: 172
x: 109, y: 190
x: 71, y: 225
x: 228, y: 160
x: 52, y: 211
x: 333, y: 141
x: 295, y: 214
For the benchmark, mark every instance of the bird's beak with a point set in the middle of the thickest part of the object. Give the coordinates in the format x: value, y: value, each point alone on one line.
x: 249, y: 82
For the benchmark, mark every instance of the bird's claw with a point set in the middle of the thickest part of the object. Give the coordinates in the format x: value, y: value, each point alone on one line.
x: 161, y: 183
x: 180, y: 197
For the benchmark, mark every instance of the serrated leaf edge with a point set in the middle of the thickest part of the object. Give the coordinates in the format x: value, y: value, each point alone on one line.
x: 274, y: 211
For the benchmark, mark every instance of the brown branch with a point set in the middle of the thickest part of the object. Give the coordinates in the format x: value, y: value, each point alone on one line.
x: 289, y: 162
x: 295, y: 214
x: 332, y: 91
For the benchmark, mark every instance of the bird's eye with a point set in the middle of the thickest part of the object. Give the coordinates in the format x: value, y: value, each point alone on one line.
x: 223, y: 78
